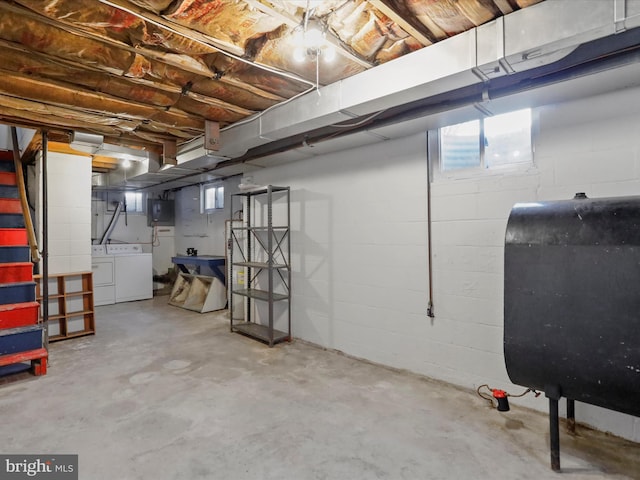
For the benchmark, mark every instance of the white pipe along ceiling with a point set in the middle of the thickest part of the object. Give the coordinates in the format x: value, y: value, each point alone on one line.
x: 401, y: 67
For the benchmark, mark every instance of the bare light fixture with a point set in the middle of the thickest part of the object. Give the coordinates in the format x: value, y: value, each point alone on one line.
x: 310, y: 40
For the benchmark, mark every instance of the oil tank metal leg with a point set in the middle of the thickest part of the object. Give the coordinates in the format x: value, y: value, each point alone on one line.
x: 571, y: 416
x: 554, y: 434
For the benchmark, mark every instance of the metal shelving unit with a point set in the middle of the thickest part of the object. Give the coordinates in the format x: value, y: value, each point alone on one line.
x: 262, y: 249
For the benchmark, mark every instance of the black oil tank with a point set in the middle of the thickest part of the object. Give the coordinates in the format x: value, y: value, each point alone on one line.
x: 572, y: 299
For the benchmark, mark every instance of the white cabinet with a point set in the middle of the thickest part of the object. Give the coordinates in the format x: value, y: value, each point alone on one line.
x: 121, y: 273
x: 103, y: 269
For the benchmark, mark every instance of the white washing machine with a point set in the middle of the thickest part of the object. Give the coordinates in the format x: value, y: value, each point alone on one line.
x: 104, y: 276
x: 133, y: 272
x: 121, y: 273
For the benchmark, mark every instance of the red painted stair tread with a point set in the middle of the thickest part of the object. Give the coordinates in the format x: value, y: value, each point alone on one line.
x: 37, y: 357
x: 16, y: 272
x: 13, y: 236
x: 7, y: 178
x: 18, y: 314
x: 10, y: 205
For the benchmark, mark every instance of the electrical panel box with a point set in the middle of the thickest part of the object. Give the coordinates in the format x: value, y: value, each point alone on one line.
x: 160, y: 212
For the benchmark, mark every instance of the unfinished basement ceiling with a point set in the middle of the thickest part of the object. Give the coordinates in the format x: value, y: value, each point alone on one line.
x: 141, y: 72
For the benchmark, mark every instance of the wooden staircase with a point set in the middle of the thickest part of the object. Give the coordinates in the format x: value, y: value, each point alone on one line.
x: 21, y: 335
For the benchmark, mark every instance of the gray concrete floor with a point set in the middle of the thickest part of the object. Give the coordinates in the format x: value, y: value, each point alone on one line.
x: 163, y: 393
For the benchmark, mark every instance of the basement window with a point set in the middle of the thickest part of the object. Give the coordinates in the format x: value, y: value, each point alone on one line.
x: 487, y: 143
x: 134, y: 202
x: 460, y: 145
x: 213, y: 198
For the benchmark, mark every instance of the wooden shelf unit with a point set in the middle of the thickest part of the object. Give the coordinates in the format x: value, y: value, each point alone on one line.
x: 71, y: 311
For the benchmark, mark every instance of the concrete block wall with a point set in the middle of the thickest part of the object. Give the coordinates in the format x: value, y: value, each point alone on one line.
x: 360, y: 253
x: 205, y: 232
x: 470, y: 214
x: 69, y: 198
x: 359, y: 250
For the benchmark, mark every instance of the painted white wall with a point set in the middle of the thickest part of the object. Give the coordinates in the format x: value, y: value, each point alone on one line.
x: 205, y: 233
x: 133, y: 229
x: 359, y: 244
x: 163, y: 248
x: 69, y: 207
x: 586, y: 146
x: 359, y: 248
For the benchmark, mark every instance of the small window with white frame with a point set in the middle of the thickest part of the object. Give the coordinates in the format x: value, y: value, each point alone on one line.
x: 134, y: 202
x: 460, y: 146
x: 212, y: 197
x: 487, y: 143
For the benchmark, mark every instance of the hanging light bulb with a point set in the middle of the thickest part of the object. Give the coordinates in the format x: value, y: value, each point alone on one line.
x: 126, y: 163
x: 309, y: 41
x: 314, y: 34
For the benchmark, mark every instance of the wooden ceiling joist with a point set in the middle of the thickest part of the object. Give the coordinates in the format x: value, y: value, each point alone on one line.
x: 55, y: 93
x: 32, y: 108
x: 105, y: 166
x: 182, y: 62
x: 142, y: 72
x: 106, y: 160
x: 412, y: 28
x: 65, y: 148
x: 20, y: 118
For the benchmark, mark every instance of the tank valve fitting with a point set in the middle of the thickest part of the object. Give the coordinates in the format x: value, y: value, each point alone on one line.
x: 502, y: 397
x: 499, y: 399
